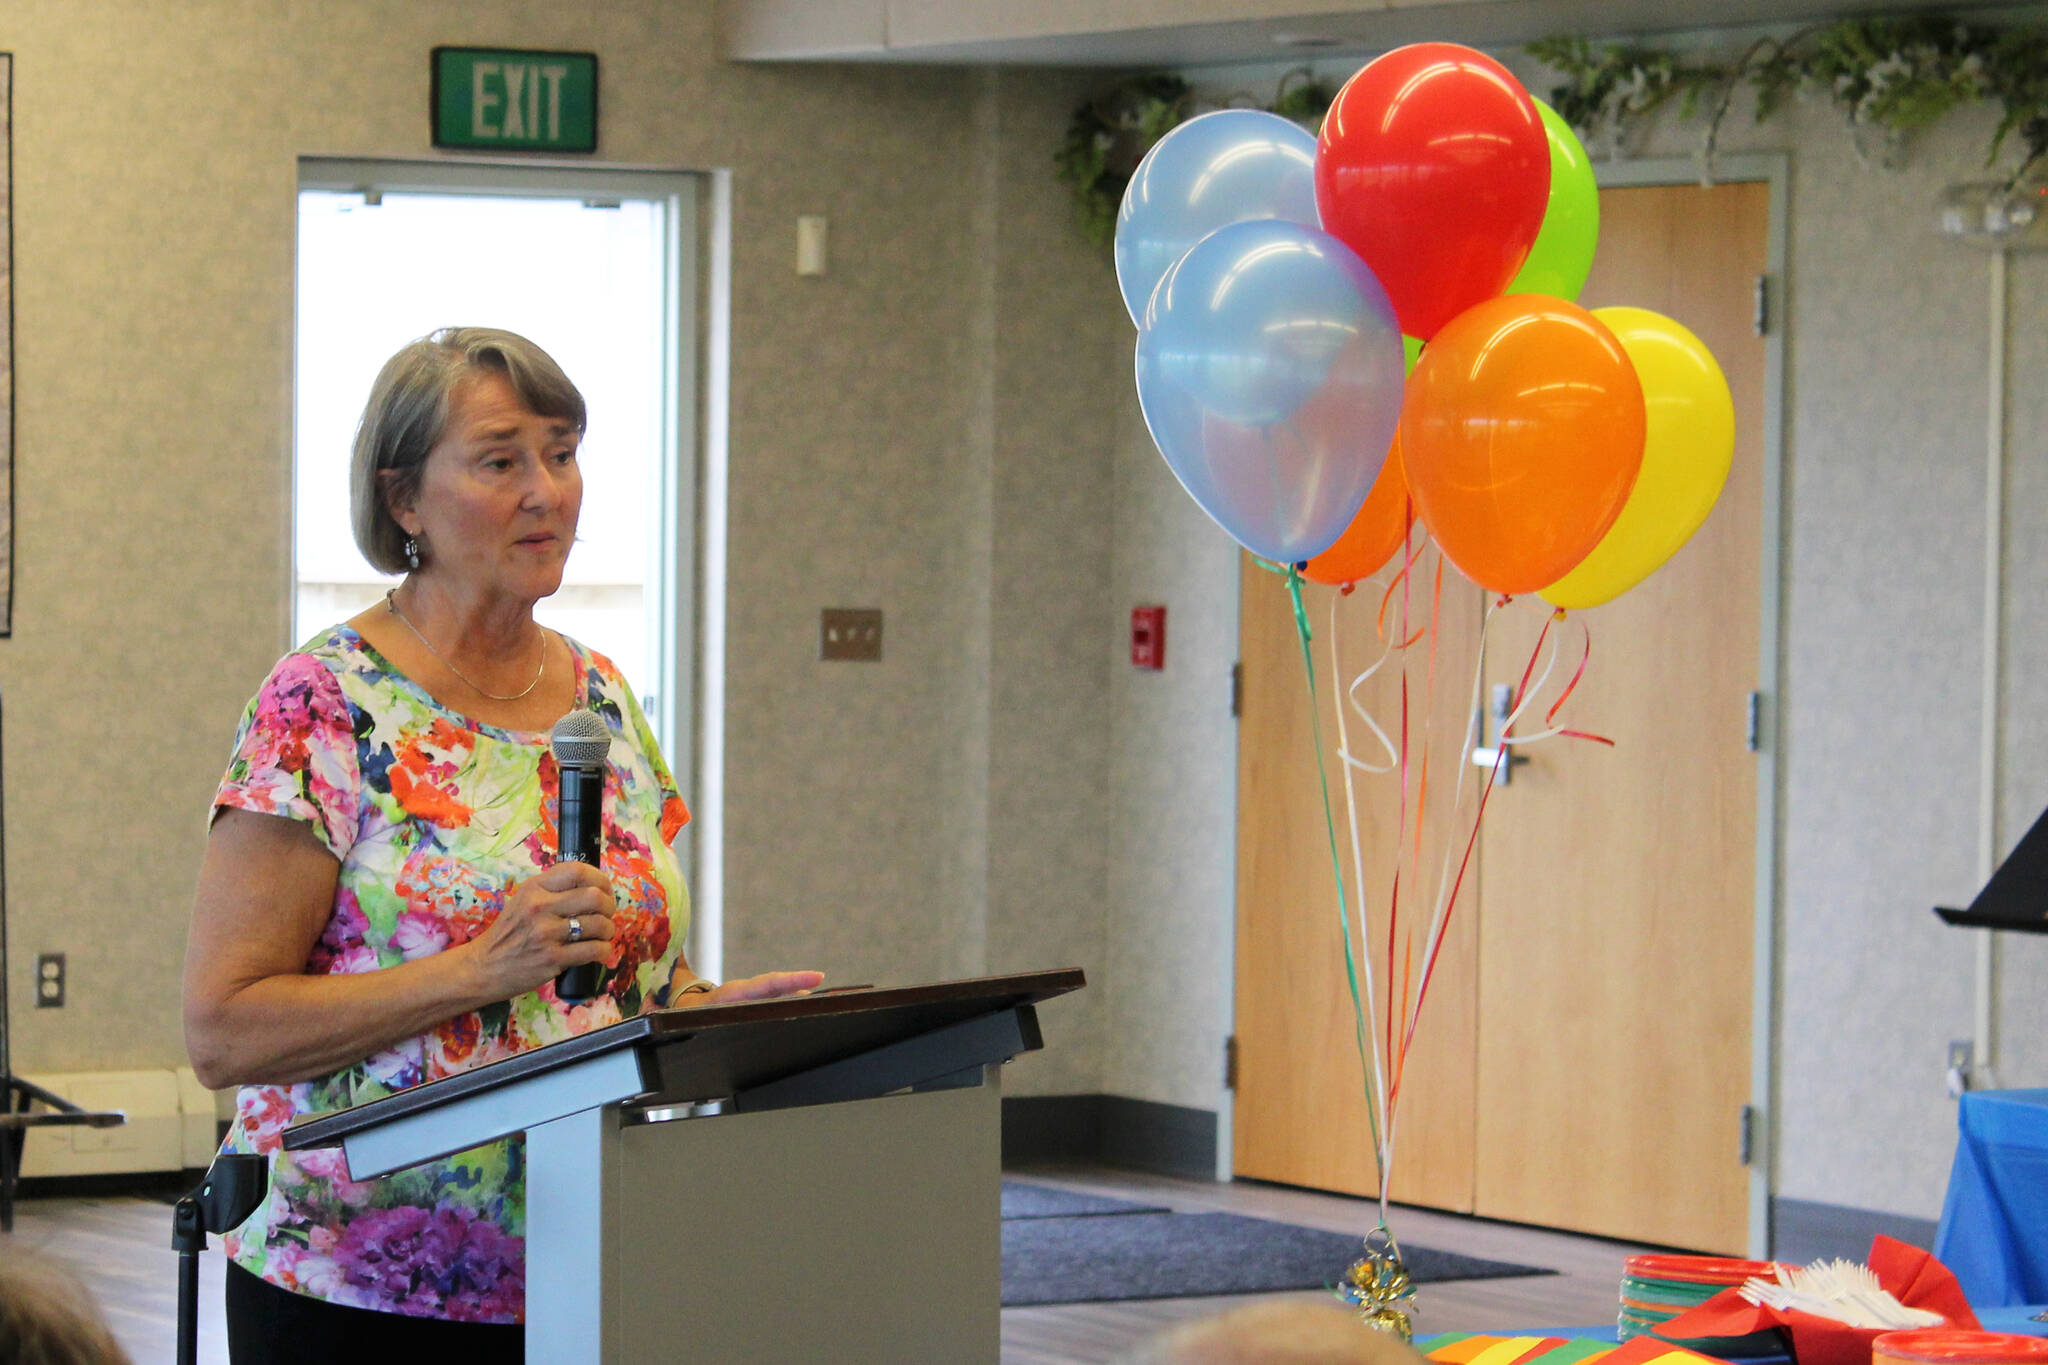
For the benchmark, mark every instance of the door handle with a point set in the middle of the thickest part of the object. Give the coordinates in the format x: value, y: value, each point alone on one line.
x: 1487, y: 757
x: 1501, y: 759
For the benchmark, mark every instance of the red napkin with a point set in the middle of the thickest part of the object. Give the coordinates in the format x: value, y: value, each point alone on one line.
x: 1912, y: 1276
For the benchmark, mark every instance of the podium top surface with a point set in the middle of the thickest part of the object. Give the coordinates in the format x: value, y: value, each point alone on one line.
x: 709, y: 1052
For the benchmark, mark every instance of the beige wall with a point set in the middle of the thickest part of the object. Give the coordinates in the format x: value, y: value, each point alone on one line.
x: 1173, y: 794
x: 927, y: 429
x: 153, y: 187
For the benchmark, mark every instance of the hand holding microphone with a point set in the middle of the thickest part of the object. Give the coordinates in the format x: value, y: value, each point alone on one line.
x: 528, y: 940
x: 580, y: 741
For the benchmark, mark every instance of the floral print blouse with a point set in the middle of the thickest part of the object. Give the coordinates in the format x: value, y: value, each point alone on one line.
x: 435, y: 819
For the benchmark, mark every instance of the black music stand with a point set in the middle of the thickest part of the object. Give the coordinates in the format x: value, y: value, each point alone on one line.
x: 2016, y: 897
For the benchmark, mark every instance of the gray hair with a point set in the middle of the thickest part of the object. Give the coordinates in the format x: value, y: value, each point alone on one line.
x: 408, y: 411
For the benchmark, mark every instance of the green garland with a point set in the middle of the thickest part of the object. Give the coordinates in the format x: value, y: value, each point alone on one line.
x: 1110, y: 134
x: 1895, y: 76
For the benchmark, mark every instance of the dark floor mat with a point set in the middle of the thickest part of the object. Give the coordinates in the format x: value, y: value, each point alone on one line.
x: 1024, y: 1200
x: 1189, y: 1255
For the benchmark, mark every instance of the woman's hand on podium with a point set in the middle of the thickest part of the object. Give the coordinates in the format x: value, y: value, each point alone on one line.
x: 766, y: 986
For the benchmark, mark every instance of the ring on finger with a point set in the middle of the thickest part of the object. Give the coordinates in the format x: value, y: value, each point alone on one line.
x: 575, y: 929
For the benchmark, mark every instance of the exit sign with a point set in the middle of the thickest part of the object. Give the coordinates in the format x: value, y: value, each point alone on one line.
x: 514, y: 100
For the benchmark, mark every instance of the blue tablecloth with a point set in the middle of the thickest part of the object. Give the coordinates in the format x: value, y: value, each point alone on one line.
x: 2020, y: 1318
x: 1994, y: 1224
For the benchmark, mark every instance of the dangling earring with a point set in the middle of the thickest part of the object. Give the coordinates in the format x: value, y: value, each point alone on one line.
x: 412, y: 553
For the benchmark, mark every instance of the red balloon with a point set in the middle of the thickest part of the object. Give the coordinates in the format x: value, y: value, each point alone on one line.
x: 1434, y: 167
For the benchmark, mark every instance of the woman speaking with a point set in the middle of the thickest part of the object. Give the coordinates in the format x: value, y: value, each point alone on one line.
x: 379, y: 903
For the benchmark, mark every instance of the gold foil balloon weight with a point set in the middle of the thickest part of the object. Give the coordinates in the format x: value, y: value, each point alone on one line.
x: 1379, y: 1287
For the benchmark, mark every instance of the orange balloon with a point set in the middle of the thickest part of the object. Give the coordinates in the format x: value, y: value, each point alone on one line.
x: 1522, y: 432
x: 1374, y: 534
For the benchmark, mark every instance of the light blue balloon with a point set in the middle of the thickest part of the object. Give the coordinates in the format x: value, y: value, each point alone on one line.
x: 1270, y: 372
x: 1219, y: 168
x: 1250, y: 319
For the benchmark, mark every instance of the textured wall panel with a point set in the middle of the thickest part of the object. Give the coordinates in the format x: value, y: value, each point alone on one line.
x: 2023, y: 1021
x: 1173, y: 792
x: 153, y: 239
x: 1058, y: 385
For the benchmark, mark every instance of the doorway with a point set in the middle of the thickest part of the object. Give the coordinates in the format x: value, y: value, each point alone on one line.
x: 606, y: 271
x: 586, y: 267
x: 1586, y: 1057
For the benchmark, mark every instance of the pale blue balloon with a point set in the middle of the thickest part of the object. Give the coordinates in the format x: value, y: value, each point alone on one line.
x: 1270, y: 372
x: 1219, y: 168
x: 1250, y: 319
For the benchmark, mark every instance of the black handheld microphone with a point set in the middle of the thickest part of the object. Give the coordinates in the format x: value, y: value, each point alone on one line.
x: 580, y: 741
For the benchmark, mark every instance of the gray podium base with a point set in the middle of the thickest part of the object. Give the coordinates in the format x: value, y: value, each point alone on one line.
x: 864, y: 1233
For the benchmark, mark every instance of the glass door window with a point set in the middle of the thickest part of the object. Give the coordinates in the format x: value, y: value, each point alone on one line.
x: 591, y: 278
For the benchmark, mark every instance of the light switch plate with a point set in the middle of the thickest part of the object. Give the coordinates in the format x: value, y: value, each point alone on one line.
x: 810, y: 245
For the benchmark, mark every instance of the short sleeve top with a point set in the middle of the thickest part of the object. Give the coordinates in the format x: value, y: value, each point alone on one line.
x: 434, y: 819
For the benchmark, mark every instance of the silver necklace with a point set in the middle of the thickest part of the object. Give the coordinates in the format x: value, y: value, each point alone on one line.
x: 391, y: 604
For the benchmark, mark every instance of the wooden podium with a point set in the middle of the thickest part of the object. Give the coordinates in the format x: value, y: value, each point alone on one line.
x: 842, y: 1202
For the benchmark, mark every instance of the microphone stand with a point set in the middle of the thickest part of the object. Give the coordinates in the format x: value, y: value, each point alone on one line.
x: 233, y: 1187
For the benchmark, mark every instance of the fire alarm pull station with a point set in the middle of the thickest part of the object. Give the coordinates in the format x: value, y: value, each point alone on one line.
x: 1148, y: 637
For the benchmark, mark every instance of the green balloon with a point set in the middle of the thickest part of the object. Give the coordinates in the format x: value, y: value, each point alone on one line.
x: 1411, y: 347
x: 1563, y: 252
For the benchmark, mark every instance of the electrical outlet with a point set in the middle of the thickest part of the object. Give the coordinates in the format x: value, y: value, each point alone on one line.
x: 49, y: 980
x: 1962, y: 1056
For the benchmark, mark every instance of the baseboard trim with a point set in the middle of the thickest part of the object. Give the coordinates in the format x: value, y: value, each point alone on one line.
x: 1051, y: 1128
x: 1802, y: 1230
x: 1115, y: 1130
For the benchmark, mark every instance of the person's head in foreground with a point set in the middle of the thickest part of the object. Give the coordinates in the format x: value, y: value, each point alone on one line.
x: 48, y: 1318
x: 1289, y: 1332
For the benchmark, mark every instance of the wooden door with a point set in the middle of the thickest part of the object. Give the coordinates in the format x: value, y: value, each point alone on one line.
x: 1617, y: 886
x: 1300, y: 1114
x: 1585, y: 1049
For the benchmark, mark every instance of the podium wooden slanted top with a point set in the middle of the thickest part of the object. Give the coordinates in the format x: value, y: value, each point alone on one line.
x: 842, y: 1202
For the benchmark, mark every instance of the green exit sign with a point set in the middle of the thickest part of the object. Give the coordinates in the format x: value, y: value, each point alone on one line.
x: 514, y: 100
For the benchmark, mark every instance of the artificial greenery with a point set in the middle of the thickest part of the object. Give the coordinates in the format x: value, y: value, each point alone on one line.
x: 1110, y: 134
x: 1895, y: 77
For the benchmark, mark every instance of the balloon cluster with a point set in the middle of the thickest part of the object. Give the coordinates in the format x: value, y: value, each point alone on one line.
x: 1341, y: 334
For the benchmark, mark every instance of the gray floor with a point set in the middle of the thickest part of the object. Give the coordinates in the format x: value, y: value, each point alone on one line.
x: 121, y: 1248
x: 1584, y: 1291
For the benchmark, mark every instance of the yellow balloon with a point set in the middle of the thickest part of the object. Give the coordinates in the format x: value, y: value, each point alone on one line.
x: 1688, y: 445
